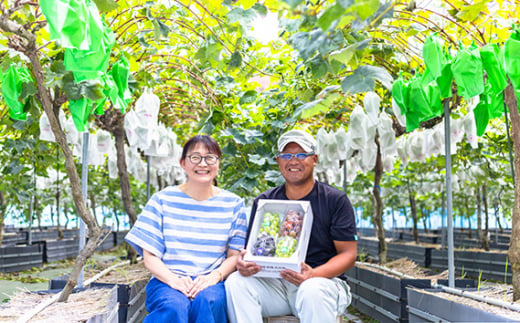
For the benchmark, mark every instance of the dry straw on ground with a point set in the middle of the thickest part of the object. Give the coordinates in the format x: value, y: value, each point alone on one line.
x: 498, y: 291
x: 487, y: 291
x: 80, y: 307
x: 126, y: 274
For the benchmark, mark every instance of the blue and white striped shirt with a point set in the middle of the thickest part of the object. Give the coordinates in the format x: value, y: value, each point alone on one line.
x: 191, y: 237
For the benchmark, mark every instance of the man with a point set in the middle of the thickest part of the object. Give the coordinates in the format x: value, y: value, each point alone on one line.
x: 319, y: 293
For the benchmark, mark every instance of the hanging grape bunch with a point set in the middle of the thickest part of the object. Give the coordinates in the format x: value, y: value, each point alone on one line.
x: 264, y: 245
x: 292, y: 226
x: 270, y: 224
x: 286, y: 246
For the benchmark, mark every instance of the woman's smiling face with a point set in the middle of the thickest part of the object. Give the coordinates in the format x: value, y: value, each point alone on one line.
x: 200, y: 172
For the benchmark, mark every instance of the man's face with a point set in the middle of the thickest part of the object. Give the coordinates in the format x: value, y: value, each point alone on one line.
x: 296, y: 171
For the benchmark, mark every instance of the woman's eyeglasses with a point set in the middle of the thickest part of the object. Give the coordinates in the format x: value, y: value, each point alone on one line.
x: 300, y: 156
x: 197, y: 159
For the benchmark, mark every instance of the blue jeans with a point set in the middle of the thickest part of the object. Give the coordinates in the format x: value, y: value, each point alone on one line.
x: 165, y: 304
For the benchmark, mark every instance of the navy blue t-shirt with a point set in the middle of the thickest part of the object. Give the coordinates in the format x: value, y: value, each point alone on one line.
x: 333, y: 219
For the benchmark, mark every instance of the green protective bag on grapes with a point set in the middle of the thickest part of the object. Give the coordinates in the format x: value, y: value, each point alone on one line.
x: 121, y: 73
x: 12, y: 88
x: 74, y: 23
x: 496, y: 76
x: 95, y: 60
x: 468, y: 72
x: 511, y: 54
x: 80, y: 110
x: 401, y: 93
x: 433, y: 54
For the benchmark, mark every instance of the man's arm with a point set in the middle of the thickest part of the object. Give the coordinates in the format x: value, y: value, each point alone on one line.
x: 337, y: 265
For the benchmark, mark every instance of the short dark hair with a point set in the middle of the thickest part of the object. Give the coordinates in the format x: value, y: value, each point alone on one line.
x: 207, y: 141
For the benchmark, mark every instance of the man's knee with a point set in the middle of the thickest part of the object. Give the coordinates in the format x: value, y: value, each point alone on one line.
x: 314, y: 291
x: 233, y: 281
x: 313, y: 286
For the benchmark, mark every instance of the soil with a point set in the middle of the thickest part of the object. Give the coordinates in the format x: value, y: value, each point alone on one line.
x: 498, y: 291
x: 409, y: 268
x: 492, y: 291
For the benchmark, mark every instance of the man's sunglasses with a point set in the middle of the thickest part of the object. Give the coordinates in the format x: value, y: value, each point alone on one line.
x: 300, y: 156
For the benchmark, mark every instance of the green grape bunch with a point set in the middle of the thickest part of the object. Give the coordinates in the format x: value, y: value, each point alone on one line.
x: 270, y: 224
x: 286, y: 246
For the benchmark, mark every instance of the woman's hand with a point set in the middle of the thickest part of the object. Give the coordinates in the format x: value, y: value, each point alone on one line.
x: 181, y: 283
x: 202, y: 282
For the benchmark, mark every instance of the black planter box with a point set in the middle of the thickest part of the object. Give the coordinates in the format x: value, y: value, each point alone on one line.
x: 464, y: 242
x: 369, y: 232
x: 439, y: 259
x: 425, y: 307
x: 71, y: 234
x: 459, y: 283
x: 13, y: 238
x: 369, y: 247
x: 491, y: 265
x: 500, y: 237
x: 131, y: 297
x: 475, y: 264
x: 120, y: 237
x: 60, y: 249
x: 380, y: 296
x: 498, y: 245
x: 44, y: 235
x: 106, y: 244
x: 423, y: 237
x: 136, y: 302
x: 419, y: 254
x: 17, y: 258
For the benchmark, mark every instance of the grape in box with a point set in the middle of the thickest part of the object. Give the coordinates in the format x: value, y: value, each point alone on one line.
x: 279, y: 236
x: 278, y: 239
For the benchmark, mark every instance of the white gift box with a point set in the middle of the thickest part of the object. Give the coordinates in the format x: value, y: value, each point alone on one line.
x: 271, y: 266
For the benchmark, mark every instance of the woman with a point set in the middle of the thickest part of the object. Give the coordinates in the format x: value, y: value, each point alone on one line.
x: 190, y: 237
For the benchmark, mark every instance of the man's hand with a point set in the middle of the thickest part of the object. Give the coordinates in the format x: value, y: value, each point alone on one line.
x: 297, y: 278
x: 246, y: 268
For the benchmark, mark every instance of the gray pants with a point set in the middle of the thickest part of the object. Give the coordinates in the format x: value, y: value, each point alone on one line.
x: 315, y: 300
